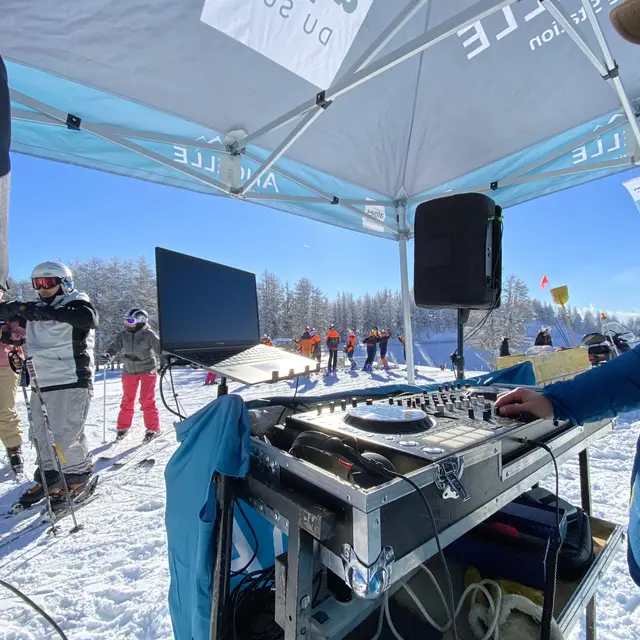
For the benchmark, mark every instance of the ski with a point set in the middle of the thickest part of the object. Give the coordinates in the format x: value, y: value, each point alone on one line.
x: 16, y: 535
x: 114, y: 449
x: 15, y: 509
x: 149, y: 461
x: 81, y: 497
x: 126, y: 458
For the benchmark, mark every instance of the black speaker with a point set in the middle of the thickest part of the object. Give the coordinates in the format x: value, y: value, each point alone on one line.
x: 458, y: 253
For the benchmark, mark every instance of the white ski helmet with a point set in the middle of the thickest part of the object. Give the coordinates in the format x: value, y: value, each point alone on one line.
x: 139, y: 315
x: 54, y: 270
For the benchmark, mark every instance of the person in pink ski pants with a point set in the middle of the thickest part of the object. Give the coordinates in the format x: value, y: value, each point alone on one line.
x: 139, y: 345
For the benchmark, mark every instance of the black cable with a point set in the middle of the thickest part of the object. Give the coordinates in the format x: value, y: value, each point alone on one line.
x: 163, y: 372
x: 173, y: 390
x: 295, y: 393
x: 255, y: 592
x: 494, y: 305
x: 316, y: 593
x: 436, y: 535
x: 554, y: 552
x: 256, y: 546
x: 35, y: 607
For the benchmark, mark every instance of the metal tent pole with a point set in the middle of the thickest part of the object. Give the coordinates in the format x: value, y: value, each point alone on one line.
x: 406, y: 291
x: 613, y: 75
x: 468, y: 16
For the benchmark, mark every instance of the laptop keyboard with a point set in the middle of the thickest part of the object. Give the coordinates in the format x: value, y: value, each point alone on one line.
x: 254, y: 355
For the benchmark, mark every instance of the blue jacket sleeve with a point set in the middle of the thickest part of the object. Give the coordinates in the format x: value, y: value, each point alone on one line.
x: 603, y: 392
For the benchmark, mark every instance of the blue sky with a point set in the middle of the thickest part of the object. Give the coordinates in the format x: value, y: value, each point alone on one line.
x: 586, y: 237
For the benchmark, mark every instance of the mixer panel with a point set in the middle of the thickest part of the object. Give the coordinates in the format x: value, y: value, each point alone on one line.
x: 430, y: 425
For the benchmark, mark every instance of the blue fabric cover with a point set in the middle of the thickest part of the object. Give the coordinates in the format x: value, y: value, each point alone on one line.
x: 215, y: 439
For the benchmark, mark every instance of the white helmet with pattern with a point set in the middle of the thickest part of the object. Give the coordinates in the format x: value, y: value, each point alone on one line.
x: 56, y: 270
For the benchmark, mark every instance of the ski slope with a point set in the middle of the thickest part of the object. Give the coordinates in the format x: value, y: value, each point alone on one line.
x: 110, y: 581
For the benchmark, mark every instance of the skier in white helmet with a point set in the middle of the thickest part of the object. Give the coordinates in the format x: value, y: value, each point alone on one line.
x: 60, y: 330
x: 139, y: 343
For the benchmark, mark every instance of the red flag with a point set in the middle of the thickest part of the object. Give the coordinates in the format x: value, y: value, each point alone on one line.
x: 544, y: 282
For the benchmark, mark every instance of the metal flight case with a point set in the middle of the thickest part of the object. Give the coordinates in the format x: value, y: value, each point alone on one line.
x: 374, y: 536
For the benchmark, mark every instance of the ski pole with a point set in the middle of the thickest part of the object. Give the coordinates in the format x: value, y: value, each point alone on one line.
x: 45, y: 486
x: 104, y: 404
x: 52, y: 442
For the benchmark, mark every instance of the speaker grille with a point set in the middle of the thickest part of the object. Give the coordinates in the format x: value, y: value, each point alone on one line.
x: 458, y: 253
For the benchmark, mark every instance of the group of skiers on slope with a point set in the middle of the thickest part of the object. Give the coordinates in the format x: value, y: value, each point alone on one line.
x: 309, y: 345
x: 58, y: 334
x: 543, y: 338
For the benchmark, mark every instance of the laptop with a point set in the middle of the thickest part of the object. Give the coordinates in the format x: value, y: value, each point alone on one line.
x: 208, y: 315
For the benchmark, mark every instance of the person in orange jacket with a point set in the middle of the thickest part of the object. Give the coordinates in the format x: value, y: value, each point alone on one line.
x: 304, y: 344
x: 316, y: 348
x: 266, y: 341
x: 350, y: 348
x: 333, y: 342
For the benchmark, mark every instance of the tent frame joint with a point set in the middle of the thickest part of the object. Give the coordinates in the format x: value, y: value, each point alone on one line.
x: 335, y: 200
x: 73, y: 122
x: 494, y: 185
x: 321, y: 100
x: 612, y: 73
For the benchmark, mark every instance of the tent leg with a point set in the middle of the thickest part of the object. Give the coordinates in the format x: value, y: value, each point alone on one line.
x: 406, y: 293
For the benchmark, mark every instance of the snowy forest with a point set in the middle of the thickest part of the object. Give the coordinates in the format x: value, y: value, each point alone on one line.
x: 116, y: 285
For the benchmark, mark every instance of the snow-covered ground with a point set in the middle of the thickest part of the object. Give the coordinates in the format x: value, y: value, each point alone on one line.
x: 110, y: 580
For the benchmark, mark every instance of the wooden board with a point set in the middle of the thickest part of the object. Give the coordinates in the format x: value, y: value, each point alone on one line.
x: 551, y: 367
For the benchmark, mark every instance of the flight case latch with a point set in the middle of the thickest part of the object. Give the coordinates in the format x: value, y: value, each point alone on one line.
x: 448, y: 476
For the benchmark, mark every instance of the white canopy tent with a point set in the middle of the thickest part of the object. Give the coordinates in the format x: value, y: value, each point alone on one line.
x: 349, y: 112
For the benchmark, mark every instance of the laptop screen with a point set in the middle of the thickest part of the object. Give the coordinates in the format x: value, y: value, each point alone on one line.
x: 203, y: 304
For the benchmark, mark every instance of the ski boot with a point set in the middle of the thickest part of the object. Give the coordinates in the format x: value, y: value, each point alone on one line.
x: 354, y: 365
x: 36, y: 493
x: 121, y: 433
x: 16, y: 461
x: 150, y: 435
x: 76, y: 483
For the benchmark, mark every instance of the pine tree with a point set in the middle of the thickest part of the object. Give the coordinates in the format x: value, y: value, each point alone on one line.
x: 508, y: 320
x: 270, y: 304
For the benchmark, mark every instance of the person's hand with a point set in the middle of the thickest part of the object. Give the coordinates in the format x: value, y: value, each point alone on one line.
x: 519, y: 401
x: 40, y: 312
x: 105, y: 358
x: 9, y: 311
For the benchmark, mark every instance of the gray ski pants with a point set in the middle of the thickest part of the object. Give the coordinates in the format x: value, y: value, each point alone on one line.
x: 67, y: 410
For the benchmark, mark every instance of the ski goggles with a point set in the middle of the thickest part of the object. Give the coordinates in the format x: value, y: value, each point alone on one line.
x: 132, y: 321
x: 45, y: 283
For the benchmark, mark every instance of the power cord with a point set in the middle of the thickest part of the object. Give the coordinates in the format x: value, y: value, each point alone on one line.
x: 554, y: 551
x: 254, y: 597
x: 436, y: 535
x: 175, y: 412
x: 494, y: 606
x: 291, y: 404
x: 35, y: 607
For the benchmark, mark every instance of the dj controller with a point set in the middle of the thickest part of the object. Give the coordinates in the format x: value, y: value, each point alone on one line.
x: 430, y: 426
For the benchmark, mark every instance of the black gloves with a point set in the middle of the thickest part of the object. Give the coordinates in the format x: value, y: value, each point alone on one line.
x: 106, y: 358
x: 29, y: 311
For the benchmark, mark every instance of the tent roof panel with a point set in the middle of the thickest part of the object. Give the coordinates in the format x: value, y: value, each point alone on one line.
x: 492, y: 98
x: 513, y: 71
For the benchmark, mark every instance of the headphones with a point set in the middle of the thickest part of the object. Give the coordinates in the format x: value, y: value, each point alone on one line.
x: 363, y: 469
